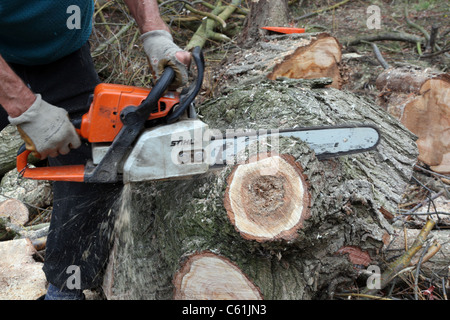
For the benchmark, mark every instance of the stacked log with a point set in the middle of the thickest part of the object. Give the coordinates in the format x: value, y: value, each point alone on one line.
x: 420, y: 99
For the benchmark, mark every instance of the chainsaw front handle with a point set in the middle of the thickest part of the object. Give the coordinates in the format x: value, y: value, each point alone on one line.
x: 188, y: 94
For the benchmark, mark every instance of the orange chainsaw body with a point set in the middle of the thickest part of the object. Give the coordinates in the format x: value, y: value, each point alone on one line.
x: 102, y: 123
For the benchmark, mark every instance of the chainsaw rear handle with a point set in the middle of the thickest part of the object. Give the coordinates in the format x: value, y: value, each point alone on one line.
x: 62, y: 173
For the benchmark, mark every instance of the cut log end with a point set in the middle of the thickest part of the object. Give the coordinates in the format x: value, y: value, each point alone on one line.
x: 15, y: 210
x: 207, y: 276
x: 268, y: 198
x: 321, y: 58
x: 428, y: 116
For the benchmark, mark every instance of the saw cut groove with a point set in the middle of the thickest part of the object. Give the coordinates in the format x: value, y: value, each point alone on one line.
x: 268, y: 198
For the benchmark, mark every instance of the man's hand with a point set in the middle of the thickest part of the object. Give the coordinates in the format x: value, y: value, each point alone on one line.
x: 158, y: 42
x: 46, y: 129
x: 162, y: 51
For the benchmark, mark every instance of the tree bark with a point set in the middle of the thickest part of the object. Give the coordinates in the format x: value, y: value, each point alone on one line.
x: 331, y: 206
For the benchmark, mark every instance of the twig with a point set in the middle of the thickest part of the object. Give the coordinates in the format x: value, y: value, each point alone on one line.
x: 443, y: 51
x: 423, y: 203
x: 189, y: 6
x: 311, y: 14
x: 361, y: 295
x: 432, y: 172
x: 379, y: 57
x: 430, y: 253
x: 416, y: 280
x: 113, y: 39
x: 443, y: 288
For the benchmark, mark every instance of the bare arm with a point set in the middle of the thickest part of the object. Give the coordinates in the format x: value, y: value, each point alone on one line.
x: 15, y: 96
x: 147, y: 16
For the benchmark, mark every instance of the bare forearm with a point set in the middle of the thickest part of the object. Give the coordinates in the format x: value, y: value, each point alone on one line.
x: 15, y: 96
x: 147, y: 16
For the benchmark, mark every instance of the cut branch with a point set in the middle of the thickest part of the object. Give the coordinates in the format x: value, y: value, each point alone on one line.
x: 206, y: 30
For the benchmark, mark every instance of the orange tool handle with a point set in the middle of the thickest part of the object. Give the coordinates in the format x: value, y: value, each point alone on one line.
x: 286, y: 30
x: 63, y: 173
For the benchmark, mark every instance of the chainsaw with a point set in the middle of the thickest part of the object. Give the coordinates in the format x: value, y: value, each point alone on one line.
x: 140, y: 134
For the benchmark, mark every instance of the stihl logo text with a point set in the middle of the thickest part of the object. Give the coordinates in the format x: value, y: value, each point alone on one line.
x: 182, y: 142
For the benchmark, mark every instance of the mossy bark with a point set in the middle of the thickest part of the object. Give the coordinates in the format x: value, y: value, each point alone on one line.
x: 173, y: 220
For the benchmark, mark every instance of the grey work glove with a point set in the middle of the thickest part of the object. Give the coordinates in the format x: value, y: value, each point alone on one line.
x: 160, y: 50
x: 46, y: 129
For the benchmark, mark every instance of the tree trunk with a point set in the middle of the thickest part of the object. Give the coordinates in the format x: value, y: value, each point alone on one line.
x: 263, y: 13
x: 420, y: 99
x: 283, y: 226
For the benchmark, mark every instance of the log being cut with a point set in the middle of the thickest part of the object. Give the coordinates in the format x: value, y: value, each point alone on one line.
x: 281, y: 224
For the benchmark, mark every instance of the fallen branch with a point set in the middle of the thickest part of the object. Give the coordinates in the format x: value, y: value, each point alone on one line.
x: 406, y: 37
x: 416, y: 26
x: 404, y: 261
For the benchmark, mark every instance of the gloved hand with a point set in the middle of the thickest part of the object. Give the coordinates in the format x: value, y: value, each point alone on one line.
x: 161, y: 50
x: 46, y: 129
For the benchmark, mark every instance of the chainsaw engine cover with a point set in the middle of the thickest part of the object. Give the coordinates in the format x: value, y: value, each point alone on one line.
x: 168, y: 151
